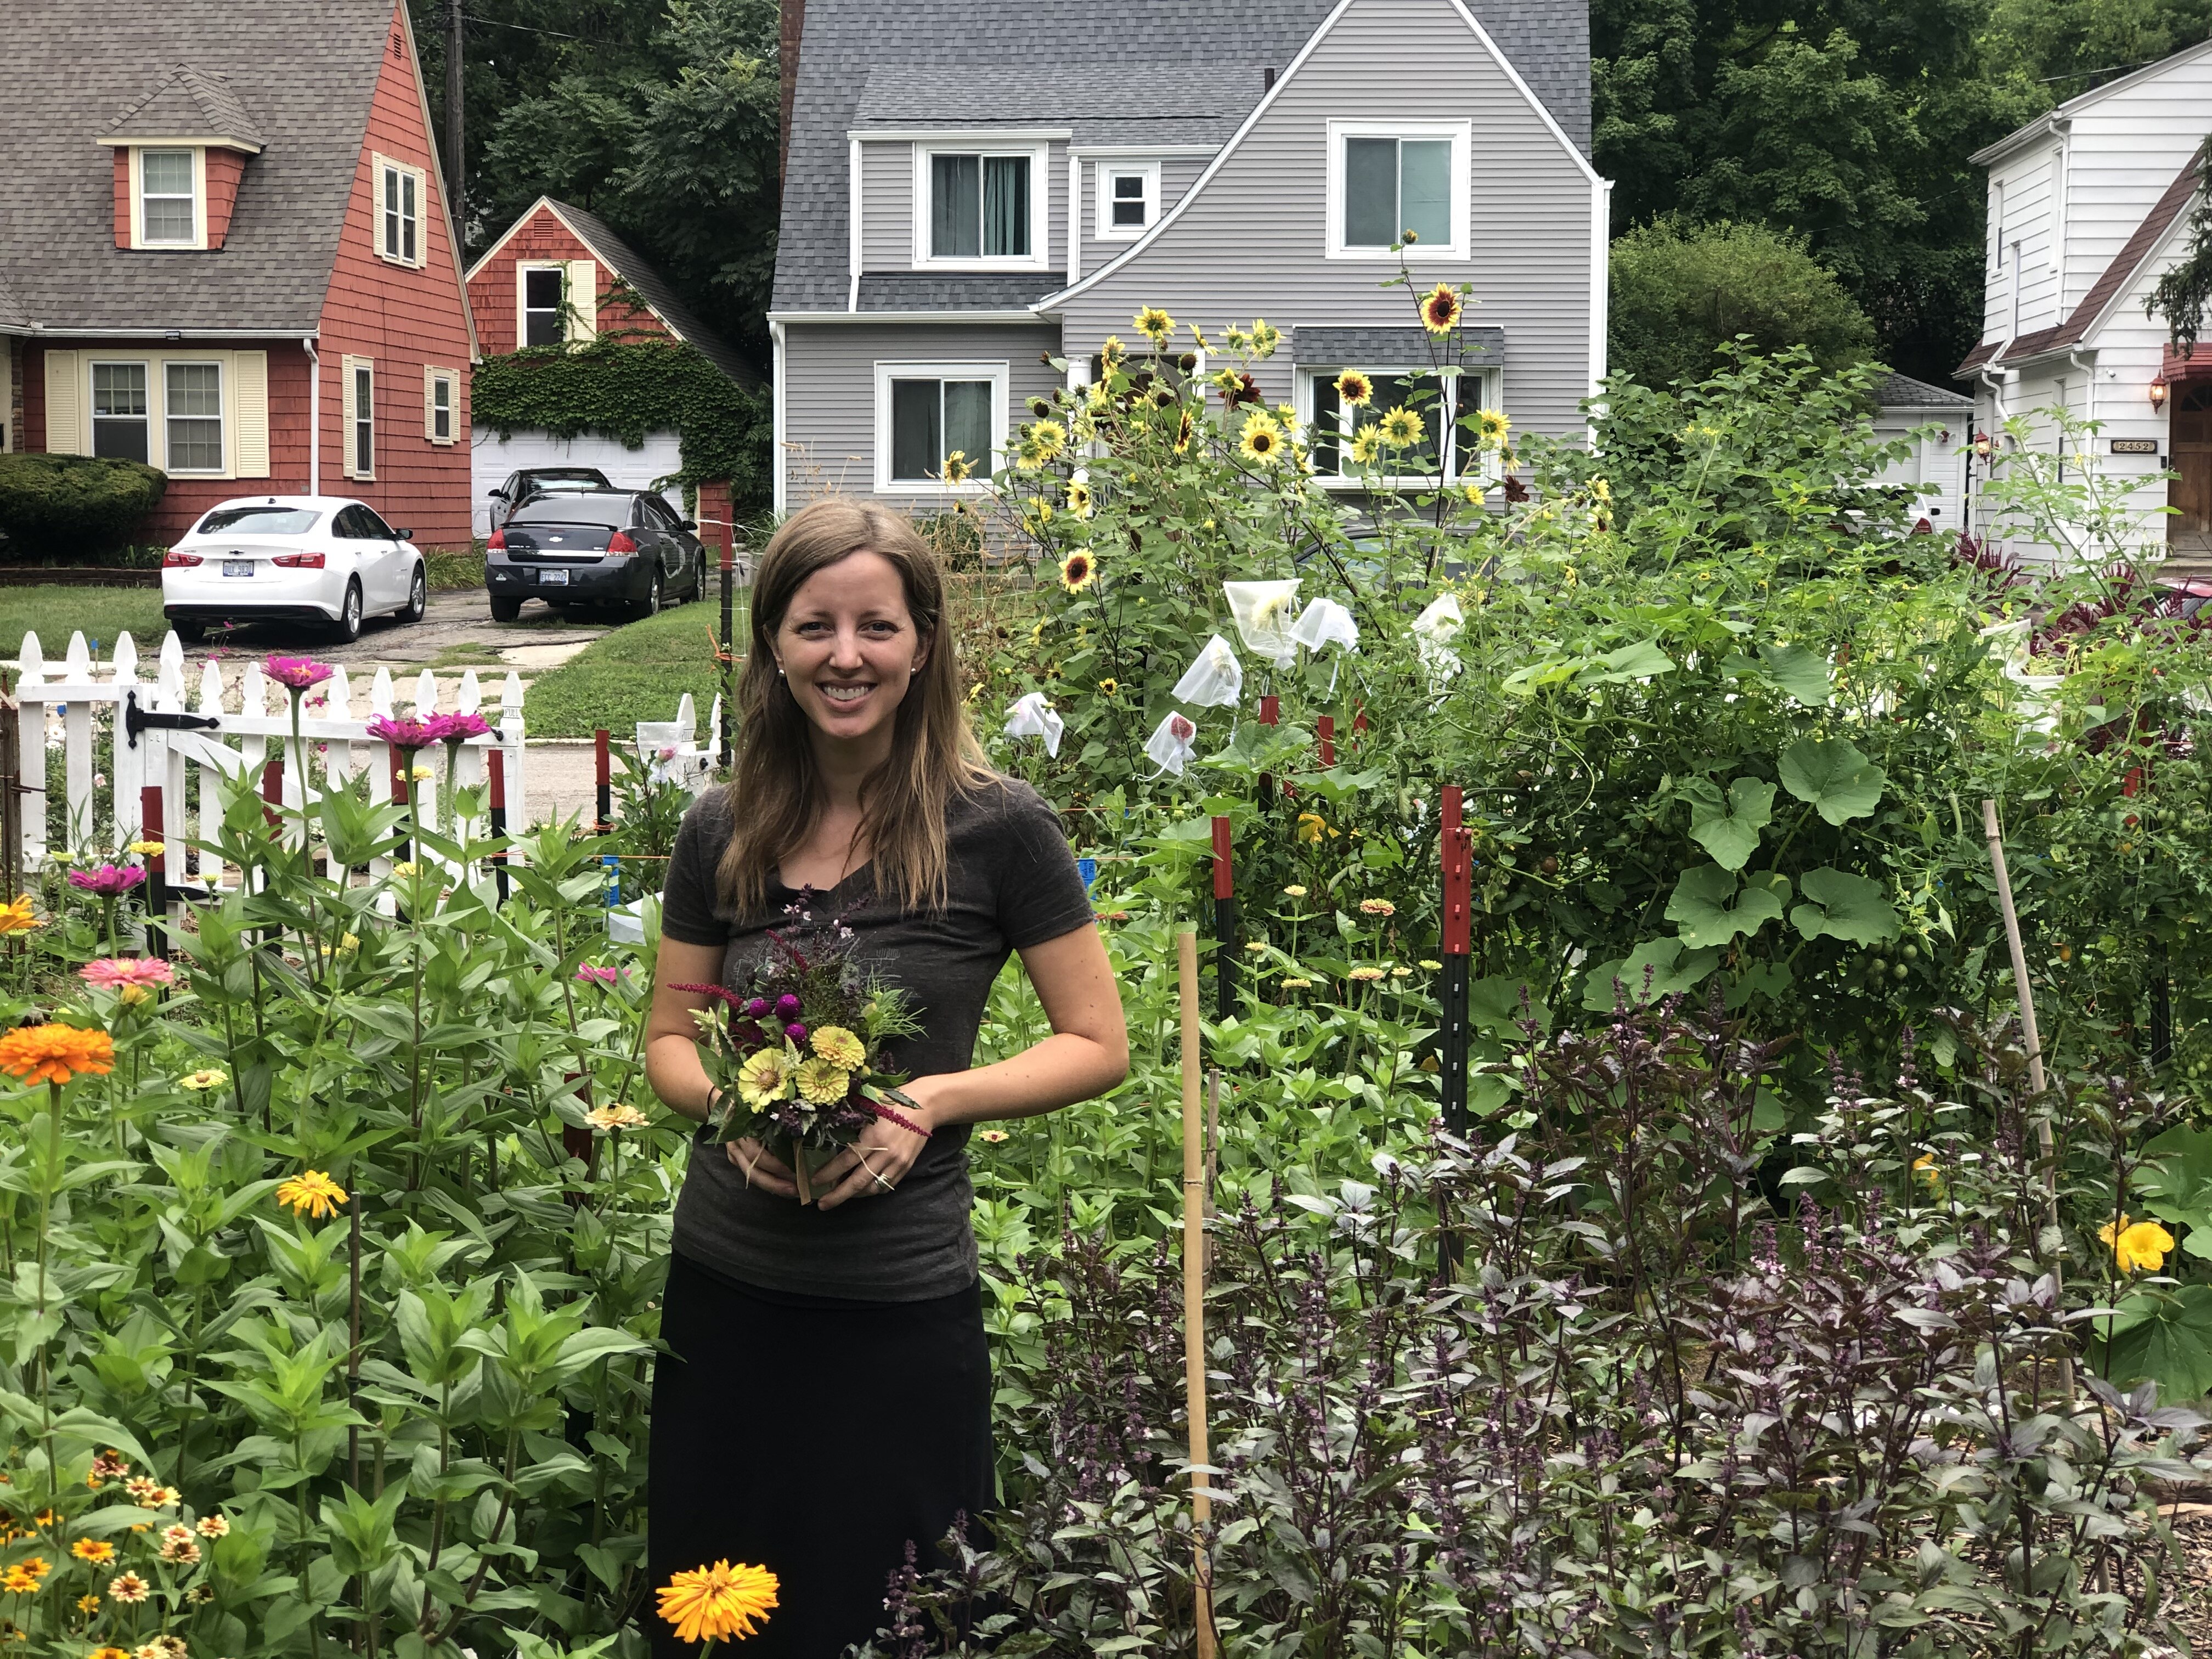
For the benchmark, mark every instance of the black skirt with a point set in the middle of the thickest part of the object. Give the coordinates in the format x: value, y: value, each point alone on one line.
x: 814, y: 1437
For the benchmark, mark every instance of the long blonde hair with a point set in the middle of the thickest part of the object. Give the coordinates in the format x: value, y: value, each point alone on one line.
x: 775, y: 790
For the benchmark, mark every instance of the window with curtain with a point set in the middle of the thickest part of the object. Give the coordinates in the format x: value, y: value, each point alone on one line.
x: 1392, y: 186
x: 932, y: 418
x: 979, y: 207
x: 168, y: 197
x: 192, y: 408
x: 118, y: 412
x: 1431, y: 396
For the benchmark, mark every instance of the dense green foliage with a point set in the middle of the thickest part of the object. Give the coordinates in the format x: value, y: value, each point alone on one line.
x: 72, y: 507
x: 1679, y: 294
x: 624, y: 389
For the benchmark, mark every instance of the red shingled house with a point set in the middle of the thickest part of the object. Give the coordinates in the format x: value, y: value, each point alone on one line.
x: 229, y: 213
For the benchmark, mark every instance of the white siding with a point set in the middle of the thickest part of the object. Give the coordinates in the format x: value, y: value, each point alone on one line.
x: 2119, y: 171
x: 2023, y: 266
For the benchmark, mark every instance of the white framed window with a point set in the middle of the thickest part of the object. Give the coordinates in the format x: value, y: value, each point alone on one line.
x: 1386, y: 177
x: 121, y: 416
x: 542, y: 303
x: 357, y: 398
x: 1445, y: 452
x: 982, y: 206
x: 927, y: 411
x: 1128, y: 199
x: 401, y: 190
x: 440, y: 399
x: 168, y: 187
x: 191, y: 417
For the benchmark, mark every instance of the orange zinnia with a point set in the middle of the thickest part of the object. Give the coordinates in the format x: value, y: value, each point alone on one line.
x: 55, y: 1053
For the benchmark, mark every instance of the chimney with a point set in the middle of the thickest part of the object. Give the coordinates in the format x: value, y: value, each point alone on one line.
x: 791, y: 23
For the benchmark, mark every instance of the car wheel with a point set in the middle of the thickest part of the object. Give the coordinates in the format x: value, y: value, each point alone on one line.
x: 188, y: 633
x: 347, y: 628
x: 650, y: 605
x: 505, y: 610
x: 418, y: 597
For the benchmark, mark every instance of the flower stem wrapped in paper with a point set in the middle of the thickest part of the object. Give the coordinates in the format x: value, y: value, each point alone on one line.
x: 798, y: 1055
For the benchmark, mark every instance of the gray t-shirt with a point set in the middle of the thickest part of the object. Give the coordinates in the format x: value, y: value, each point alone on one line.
x: 1011, y: 883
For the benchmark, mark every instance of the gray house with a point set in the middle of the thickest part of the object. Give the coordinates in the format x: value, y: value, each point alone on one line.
x: 971, y: 190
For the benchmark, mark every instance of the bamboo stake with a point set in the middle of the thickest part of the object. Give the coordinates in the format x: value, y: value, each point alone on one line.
x: 1193, y: 1288
x: 2036, y: 1079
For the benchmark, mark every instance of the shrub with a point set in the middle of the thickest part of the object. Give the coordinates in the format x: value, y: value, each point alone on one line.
x: 73, y: 506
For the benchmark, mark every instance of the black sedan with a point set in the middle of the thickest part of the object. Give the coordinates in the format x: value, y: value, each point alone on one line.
x: 595, y: 547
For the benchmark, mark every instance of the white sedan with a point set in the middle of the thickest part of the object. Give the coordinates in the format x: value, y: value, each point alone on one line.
x: 323, y: 559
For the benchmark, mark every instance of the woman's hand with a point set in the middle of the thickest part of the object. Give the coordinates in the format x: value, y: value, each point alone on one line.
x: 874, y: 1164
x: 762, y: 1169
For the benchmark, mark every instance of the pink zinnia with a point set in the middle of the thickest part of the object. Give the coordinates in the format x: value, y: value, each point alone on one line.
x: 401, y: 734
x: 591, y: 973
x: 107, y: 881
x: 452, y: 728
x: 298, y: 673
x: 126, y: 970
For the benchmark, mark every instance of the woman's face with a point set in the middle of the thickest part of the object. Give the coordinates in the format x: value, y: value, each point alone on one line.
x: 848, y: 647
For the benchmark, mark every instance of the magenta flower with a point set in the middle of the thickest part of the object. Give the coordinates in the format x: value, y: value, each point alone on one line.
x: 757, y: 1007
x: 109, y: 880
x: 452, y: 728
x: 787, y: 1005
x: 401, y: 734
x: 719, y: 992
x: 592, y: 974
x: 795, y: 1031
x: 298, y: 673
x: 112, y: 971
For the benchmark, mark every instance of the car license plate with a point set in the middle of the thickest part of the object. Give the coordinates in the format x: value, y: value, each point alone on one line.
x: 238, y: 567
x: 552, y: 578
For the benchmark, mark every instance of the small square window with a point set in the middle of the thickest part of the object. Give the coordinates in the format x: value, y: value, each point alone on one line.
x: 1128, y: 198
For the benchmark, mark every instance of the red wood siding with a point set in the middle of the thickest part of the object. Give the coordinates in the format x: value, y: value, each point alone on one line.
x: 224, y: 168
x: 405, y: 321
x: 122, y: 196
x: 542, y: 237
x: 186, y: 499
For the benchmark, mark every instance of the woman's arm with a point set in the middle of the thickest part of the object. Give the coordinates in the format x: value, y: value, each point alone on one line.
x: 671, y: 1054
x: 1086, y: 1054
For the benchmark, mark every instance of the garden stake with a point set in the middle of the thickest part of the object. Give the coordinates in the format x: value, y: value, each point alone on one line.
x: 606, y: 790
x: 1193, y: 1285
x: 1458, y: 945
x: 157, y: 873
x: 2035, y: 1043
x: 1325, y: 730
x: 728, y: 652
x: 498, y: 780
x: 1225, y: 924
x: 1271, y: 713
x: 400, y: 797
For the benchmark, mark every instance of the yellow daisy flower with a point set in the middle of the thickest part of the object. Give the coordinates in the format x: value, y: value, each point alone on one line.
x: 312, y: 1193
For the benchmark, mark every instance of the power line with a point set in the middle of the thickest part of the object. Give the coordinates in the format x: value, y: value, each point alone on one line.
x: 2109, y: 69
x: 529, y: 28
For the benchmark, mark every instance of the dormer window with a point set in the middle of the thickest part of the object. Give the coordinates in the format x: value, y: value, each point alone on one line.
x: 984, y: 207
x: 168, y: 198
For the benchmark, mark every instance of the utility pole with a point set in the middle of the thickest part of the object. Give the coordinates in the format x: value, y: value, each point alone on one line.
x: 457, y: 191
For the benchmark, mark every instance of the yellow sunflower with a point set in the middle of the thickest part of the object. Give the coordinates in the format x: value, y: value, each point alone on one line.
x: 1354, y: 388
x: 957, y: 467
x: 1078, y: 571
x: 1402, y: 426
x: 764, y: 1078
x: 1440, y: 309
x: 838, y: 1046
x: 1265, y: 336
x: 1492, y: 425
x: 1183, y: 430
x: 1078, y: 500
x: 1045, y: 439
x: 1366, y: 446
x: 1154, y: 324
x: 1263, y: 438
x: 821, y: 1083
x: 1112, y: 351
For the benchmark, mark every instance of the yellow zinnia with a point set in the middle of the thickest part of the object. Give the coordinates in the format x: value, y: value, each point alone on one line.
x: 821, y: 1083
x: 15, y: 915
x: 838, y: 1046
x: 718, y: 1603
x: 93, y: 1549
x: 312, y: 1193
x: 764, y: 1078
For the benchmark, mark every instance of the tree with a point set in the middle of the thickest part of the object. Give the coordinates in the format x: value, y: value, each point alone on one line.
x: 1681, y: 291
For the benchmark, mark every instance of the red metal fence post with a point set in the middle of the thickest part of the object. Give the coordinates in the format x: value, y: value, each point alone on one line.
x: 1224, y: 921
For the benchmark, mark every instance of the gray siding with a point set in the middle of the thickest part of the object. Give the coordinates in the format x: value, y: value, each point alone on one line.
x: 1253, y: 242
x: 887, y: 207
x: 1177, y: 175
x: 830, y: 393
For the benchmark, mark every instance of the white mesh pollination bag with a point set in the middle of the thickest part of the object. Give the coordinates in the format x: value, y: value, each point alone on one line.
x: 1436, y: 628
x: 1214, y: 679
x: 1031, y: 716
x: 1172, y: 742
x: 1323, y: 623
x: 1264, y: 612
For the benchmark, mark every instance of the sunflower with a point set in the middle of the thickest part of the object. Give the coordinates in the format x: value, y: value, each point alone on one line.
x: 1440, y: 309
x: 1183, y: 430
x: 312, y: 1193
x: 1263, y: 438
x: 1112, y: 351
x: 821, y: 1083
x: 838, y: 1046
x: 1154, y: 324
x: 55, y: 1053
x: 15, y: 916
x: 1265, y: 336
x: 1045, y: 439
x: 1402, y: 426
x: 957, y: 467
x: 765, y: 1078
x: 719, y: 1603
x: 1078, y: 571
x: 1078, y: 500
x: 1366, y: 446
x: 1354, y: 388
x: 1492, y: 425
x: 1109, y: 687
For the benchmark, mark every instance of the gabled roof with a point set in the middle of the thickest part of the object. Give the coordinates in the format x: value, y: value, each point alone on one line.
x: 2109, y: 285
x: 2051, y: 120
x: 187, y: 104
x: 1903, y: 392
x: 631, y: 267
x: 1121, y: 71
x: 312, y: 66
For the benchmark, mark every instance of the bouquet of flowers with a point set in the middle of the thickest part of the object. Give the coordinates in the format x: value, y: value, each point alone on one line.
x: 796, y: 1055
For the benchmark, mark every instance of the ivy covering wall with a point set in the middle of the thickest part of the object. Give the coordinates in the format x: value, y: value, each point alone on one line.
x: 624, y: 389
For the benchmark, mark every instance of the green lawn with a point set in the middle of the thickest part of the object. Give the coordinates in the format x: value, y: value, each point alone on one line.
x: 53, y: 612
x: 637, y: 672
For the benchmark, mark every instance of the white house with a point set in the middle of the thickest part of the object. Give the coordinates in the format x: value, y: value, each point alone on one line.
x: 2088, y: 208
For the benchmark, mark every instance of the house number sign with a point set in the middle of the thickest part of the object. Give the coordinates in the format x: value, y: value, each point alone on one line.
x: 2134, y: 446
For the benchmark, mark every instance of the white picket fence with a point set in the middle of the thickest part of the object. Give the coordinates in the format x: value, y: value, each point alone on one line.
x: 56, y: 708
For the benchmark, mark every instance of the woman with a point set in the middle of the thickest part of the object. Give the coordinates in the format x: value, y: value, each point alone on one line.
x: 826, y: 1397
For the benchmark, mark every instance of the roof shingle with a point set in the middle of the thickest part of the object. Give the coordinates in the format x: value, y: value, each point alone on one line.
x: 187, y: 104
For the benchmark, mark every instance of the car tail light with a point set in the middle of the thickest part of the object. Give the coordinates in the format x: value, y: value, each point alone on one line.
x: 175, y: 561
x: 298, y: 561
x: 620, y: 542
x: 498, y: 542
